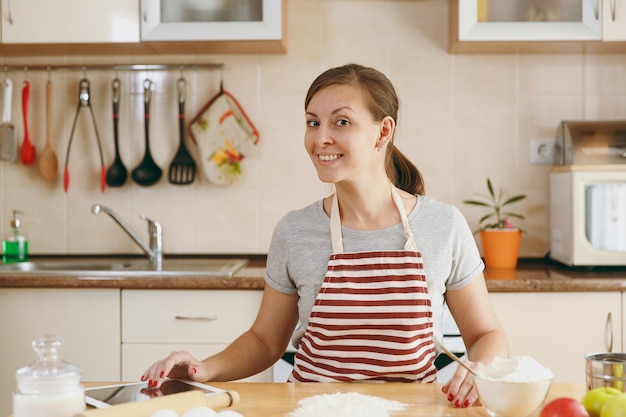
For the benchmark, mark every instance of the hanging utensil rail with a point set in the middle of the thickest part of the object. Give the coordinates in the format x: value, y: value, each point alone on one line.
x: 98, y: 67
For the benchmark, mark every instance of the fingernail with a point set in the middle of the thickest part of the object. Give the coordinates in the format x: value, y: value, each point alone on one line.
x: 450, y: 397
x: 194, y: 370
x: 457, y: 403
x: 162, y: 374
x: 143, y: 377
x: 150, y: 383
x: 466, y: 404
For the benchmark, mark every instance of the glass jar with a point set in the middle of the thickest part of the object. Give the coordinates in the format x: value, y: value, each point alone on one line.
x: 48, y: 387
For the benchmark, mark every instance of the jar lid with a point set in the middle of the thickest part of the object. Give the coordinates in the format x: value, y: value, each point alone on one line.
x: 49, y: 373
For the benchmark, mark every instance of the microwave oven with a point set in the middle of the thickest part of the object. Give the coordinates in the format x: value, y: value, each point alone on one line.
x: 588, y: 215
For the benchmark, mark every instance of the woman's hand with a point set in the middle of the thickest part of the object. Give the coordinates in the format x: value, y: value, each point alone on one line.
x: 175, y: 365
x: 460, y: 390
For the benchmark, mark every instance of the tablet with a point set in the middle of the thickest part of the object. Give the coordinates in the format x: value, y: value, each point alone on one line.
x: 109, y: 395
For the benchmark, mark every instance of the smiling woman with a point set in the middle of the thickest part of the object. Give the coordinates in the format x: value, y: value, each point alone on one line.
x: 358, y: 280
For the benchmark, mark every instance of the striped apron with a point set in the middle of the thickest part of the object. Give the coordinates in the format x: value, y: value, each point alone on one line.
x: 372, y: 318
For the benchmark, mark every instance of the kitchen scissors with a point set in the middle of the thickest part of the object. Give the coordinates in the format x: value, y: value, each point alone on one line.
x: 84, y: 101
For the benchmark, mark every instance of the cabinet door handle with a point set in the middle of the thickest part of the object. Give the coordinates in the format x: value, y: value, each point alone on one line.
x: 144, y: 12
x: 608, y: 332
x: 199, y: 318
x: 10, y: 16
x: 613, y: 8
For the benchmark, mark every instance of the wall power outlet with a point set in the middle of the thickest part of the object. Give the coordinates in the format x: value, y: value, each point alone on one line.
x: 542, y: 151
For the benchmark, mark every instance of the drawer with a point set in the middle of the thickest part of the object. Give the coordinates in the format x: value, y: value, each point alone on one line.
x: 187, y: 316
x: 136, y: 358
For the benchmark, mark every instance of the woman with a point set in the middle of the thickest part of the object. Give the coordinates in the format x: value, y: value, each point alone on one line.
x: 358, y: 279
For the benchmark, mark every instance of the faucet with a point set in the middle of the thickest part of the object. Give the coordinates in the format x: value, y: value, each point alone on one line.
x: 155, y: 251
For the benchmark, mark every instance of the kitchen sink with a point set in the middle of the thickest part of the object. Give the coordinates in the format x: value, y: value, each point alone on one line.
x: 211, y: 267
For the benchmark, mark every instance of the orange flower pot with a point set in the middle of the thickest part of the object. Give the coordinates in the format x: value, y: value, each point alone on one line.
x: 501, y: 247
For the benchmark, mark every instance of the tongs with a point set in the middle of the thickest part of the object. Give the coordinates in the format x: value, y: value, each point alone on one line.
x: 84, y: 101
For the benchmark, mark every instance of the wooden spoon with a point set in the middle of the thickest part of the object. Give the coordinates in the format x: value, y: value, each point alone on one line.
x: 48, y: 161
x: 453, y: 356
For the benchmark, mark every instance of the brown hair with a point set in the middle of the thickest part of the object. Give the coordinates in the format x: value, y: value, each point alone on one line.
x: 382, y: 101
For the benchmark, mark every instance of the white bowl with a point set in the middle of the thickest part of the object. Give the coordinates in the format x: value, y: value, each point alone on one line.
x: 511, y: 399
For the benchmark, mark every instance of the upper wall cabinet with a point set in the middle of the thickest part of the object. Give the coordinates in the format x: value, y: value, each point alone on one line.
x: 192, y: 20
x: 528, y: 24
x: 69, y: 21
x: 79, y: 27
x: 614, y: 20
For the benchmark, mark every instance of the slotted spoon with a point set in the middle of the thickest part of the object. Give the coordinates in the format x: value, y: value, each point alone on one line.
x: 183, y: 168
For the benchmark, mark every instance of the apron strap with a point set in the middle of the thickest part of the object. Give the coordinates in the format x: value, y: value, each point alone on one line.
x: 410, y: 240
x: 335, y: 224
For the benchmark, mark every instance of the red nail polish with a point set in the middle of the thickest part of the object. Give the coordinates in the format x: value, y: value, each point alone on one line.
x: 194, y: 370
x: 162, y: 374
x: 457, y: 403
x: 466, y: 404
x: 143, y: 377
x: 150, y: 383
x: 450, y: 397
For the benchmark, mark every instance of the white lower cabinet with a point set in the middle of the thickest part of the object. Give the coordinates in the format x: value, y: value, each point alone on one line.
x: 560, y: 328
x: 88, y: 320
x: 202, y: 322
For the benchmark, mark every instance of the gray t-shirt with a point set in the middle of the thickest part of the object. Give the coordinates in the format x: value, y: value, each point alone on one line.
x: 301, y: 246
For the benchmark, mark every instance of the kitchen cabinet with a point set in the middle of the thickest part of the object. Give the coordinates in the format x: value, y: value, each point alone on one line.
x: 69, y: 21
x: 507, y: 20
x: 88, y: 320
x: 189, y: 20
x: 486, y: 26
x: 135, y: 27
x: 202, y: 322
x: 614, y: 20
x: 560, y: 328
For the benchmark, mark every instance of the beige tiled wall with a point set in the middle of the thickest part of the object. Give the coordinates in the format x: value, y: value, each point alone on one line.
x: 464, y: 118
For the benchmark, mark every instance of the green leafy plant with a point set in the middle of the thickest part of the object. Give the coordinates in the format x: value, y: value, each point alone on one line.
x: 497, y: 218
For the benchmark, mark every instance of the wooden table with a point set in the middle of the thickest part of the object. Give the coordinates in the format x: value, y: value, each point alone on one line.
x: 427, y: 400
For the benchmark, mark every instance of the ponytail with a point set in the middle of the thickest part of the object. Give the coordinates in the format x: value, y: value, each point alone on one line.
x: 402, y: 172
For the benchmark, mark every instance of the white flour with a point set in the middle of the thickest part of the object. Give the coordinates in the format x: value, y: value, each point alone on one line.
x: 350, y: 404
x: 516, y: 369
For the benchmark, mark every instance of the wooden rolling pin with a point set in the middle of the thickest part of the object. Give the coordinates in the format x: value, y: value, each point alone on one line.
x: 179, y: 403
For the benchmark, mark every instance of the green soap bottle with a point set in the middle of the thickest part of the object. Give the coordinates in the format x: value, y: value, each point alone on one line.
x: 15, y: 246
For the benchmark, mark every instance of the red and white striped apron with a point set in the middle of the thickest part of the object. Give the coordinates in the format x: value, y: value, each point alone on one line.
x: 372, y: 318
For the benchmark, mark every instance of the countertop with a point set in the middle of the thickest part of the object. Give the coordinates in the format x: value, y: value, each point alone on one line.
x: 531, y: 275
x: 280, y: 399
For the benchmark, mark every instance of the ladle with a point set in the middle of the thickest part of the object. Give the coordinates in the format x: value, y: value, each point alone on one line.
x: 48, y: 161
x: 147, y: 172
x: 117, y: 173
x: 452, y: 356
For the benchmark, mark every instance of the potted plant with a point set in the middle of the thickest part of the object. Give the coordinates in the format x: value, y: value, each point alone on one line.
x: 500, y: 238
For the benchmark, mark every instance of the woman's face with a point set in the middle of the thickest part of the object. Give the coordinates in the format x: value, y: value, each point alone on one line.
x: 341, y: 136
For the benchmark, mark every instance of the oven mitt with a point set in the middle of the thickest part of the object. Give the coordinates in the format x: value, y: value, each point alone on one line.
x: 224, y: 135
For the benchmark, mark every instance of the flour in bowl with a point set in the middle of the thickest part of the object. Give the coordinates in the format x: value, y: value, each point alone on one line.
x: 349, y: 404
x: 516, y: 369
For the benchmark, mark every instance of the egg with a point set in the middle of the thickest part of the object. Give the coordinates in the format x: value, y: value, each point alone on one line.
x: 164, y: 413
x: 200, y: 412
x: 228, y: 413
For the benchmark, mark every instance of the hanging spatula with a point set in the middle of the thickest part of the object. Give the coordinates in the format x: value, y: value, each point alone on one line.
x: 183, y: 168
x: 28, y: 149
